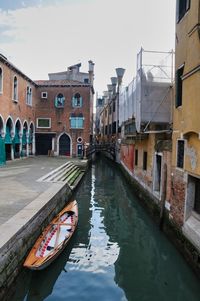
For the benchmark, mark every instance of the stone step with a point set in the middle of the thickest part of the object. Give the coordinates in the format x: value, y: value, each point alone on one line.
x: 65, y: 172
x: 58, y: 174
x: 73, y: 179
x: 69, y: 176
x: 53, y: 172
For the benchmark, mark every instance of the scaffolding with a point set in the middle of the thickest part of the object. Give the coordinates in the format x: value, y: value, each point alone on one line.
x: 154, y: 80
x: 148, y: 97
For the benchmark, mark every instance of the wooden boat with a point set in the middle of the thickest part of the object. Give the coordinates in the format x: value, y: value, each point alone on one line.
x: 54, y: 238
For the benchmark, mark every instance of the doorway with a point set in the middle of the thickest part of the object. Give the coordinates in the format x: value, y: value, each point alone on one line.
x: 79, y: 150
x: 157, y: 173
x: 64, y: 145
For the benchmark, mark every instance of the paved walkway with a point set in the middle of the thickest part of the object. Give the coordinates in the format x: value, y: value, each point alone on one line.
x: 18, y: 182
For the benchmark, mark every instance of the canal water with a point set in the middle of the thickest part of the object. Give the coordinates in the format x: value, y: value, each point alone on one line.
x: 117, y: 252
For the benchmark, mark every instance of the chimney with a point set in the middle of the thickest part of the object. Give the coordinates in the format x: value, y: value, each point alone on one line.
x: 114, y: 84
x: 91, y: 71
x: 110, y: 90
x: 120, y: 73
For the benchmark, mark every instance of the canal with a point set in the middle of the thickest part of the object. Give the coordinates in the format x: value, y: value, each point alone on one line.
x: 117, y: 252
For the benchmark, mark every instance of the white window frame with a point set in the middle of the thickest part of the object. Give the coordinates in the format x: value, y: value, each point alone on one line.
x: 15, y: 99
x: 29, y: 92
x: 43, y: 127
x: 1, y: 79
x: 42, y: 95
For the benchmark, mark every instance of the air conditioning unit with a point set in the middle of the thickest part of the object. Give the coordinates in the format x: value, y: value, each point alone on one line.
x: 44, y: 95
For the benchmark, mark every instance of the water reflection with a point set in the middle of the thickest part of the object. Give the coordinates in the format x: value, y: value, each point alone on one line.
x: 117, y: 253
x: 100, y: 252
x: 42, y: 282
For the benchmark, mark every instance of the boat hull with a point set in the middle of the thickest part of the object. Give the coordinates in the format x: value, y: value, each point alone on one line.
x: 53, y: 239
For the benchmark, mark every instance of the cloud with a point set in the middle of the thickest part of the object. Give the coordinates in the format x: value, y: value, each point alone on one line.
x: 51, y: 37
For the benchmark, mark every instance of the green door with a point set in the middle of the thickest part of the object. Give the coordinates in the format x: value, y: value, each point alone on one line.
x: 2, y: 152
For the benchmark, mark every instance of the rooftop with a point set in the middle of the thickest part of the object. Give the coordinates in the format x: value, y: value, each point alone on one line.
x: 60, y: 83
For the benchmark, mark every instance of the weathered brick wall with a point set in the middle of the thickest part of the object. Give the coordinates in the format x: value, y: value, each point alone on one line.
x: 60, y: 117
x: 13, y: 253
x: 167, y: 158
x: 17, y: 109
x: 127, y: 155
x: 177, y: 200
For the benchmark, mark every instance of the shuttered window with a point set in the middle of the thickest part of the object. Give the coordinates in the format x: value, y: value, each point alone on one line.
x: 136, y: 157
x: 180, y: 153
x: 145, y: 161
x: 179, y: 87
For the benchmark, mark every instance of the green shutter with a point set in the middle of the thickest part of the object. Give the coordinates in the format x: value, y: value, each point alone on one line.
x: 16, y: 138
x: 2, y: 152
x: 8, y: 137
x: 24, y: 137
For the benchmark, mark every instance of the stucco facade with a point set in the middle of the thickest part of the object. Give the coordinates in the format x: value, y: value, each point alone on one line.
x: 185, y: 195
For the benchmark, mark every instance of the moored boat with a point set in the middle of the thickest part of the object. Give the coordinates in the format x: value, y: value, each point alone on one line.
x: 54, y: 238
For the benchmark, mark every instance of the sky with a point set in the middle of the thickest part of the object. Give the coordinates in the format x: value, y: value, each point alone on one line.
x: 45, y: 36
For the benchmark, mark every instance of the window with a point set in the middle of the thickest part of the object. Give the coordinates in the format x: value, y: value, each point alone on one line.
x: 29, y: 96
x: 179, y: 87
x: 145, y: 161
x: 1, y: 80
x: 15, y: 89
x: 180, y: 153
x: 44, y: 123
x: 77, y: 100
x: 76, y: 122
x: 44, y: 94
x: 86, y: 80
x: 60, y: 101
x: 197, y: 196
x: 182, y: 7
x: 114, y: 127
x: 136, y: 157
x: 110, y: 111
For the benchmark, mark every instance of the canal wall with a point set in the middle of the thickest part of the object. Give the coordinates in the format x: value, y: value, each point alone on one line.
x: 166, y: 224
x: 20, y: 232
x: 161, y: 217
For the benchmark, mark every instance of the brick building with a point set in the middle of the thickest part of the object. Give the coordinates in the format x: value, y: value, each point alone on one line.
x: 45, y: 116
x: 17, y: 112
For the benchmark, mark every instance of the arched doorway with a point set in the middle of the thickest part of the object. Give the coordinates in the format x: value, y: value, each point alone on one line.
x: 16, y: 140
x: 30, y: 139
x: 24, y: 139
x: 8, y: 139
x: 2, y: 143
x: 64, y: 145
